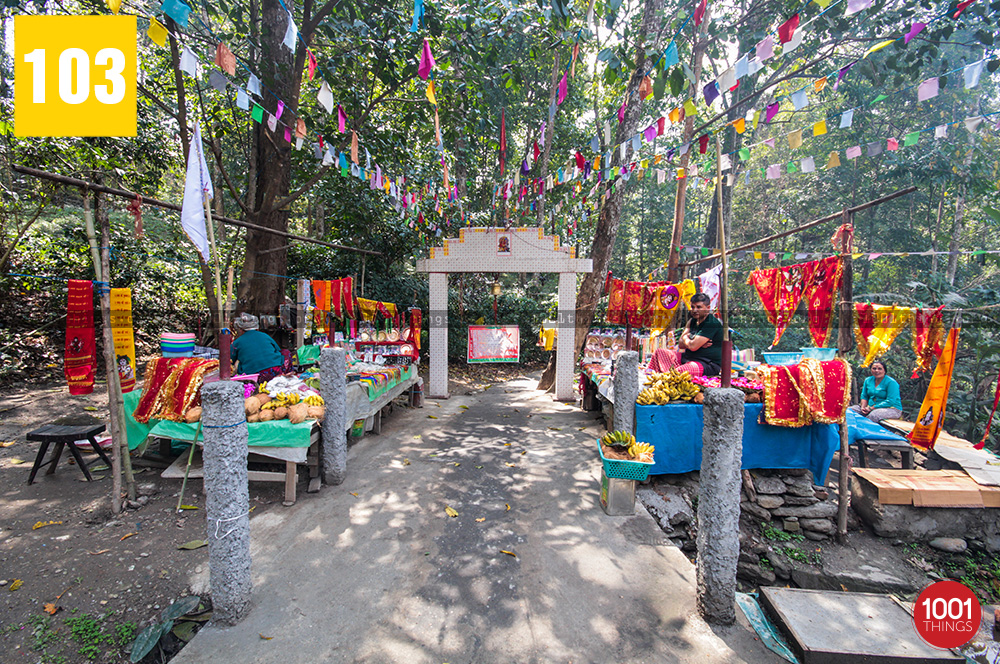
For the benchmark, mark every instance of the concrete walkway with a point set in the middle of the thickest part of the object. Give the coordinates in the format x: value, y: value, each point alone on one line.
x: 374, y: 570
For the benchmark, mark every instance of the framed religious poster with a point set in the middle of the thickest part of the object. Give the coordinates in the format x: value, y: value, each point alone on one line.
x: 503, y: 244
x: 494, y: 343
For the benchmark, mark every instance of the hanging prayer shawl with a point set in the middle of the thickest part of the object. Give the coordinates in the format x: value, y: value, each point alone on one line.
x: 367, y: 309
x: 931, y: 416
x: 650, y: 295
x: 632, y: 303
x: 711, y: 285
x: 928, y: 333
x: 171, y: 386
x: 416, y: 320
x: 889, y: 322
x: 821, y: 293
x: 811, y: 391
x: 336, y: 299
x: 616, y: 302
x: 779, y: 290
x: 124, y: 340
x: 80, y: 359
x: 864, y: 325
x: 347, y: 294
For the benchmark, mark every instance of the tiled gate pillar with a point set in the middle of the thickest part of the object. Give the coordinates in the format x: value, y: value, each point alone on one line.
x: 565, y: 351
x: 437, y: 325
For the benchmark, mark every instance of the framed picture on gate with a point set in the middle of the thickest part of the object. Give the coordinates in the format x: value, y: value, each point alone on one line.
x: 494, y: 343
x: 503, y: 244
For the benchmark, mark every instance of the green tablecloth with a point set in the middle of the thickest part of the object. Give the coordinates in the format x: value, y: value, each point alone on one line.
x: 281, y: 433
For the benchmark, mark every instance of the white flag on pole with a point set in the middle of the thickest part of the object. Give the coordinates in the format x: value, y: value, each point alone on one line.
x: 197, y: 185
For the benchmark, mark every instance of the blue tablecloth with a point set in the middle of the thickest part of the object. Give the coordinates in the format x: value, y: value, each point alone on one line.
x: 675, y: 431
x: 861, y: 428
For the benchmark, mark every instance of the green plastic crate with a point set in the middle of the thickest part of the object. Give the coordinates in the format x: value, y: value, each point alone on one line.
x: 624, y: 470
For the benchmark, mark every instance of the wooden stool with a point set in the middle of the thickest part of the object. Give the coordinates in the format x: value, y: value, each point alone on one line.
x: 902, y: 446
x: 65, y: 435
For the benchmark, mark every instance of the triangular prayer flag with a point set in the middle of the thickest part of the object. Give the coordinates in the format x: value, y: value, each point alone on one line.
x: 795, y: 139
x: 911, y: 138
x: 792, y: 167
x: 670, y: 55
x: 847, y: 118
x: 225, y: 59
x: 769, y: 142
x: 157, y: 32
x: 854, y: 152
x: 892, y: 144
x: 808, y: 165
x: 563, y: 88
x: 928, y: 89
x: 770, y: 112
x: 430, y: 93
x: 961, y: 8
x: 941, y: 131
x: 257, y: 113
x: 799, y: 99
x: 819, y: 84
x: 426, y: 61
x: 711, y: 92
x: 253, y: 85
x: 114, y: 5
x: 915, y: 30
x: 878, y: 47
x: 972, y: 74
x: 774, y: 171
x: 819, y: 128
x: 300, y: 128
x: 354, y: 146
x: 312, y: 65
x: 325, y: 97
x: 242, y: 99
x: 699, y: 13
x: 741, y: 125
x: 689, y: 108
x: 972, y: 124
x: 765, y: 49
x: 854, y: 6
x: 834, y: 160
x: 842, y: 73
x: 341, y: 120
x: 787, y: 29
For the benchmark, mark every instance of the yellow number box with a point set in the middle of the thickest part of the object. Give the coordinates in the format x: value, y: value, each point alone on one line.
x: 75, y: 75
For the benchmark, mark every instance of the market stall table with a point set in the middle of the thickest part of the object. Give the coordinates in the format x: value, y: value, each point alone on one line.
x: 675, y: 430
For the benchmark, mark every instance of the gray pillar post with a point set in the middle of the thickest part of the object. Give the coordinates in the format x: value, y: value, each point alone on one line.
x: 227, y: 499
x: 333, y: 383
x: 626, y: 382
x: 719, y: 505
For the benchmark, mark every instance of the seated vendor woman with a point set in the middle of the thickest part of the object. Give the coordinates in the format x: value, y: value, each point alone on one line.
x: 879, y: 396
x: 701, y: 342
x: 256, y: 352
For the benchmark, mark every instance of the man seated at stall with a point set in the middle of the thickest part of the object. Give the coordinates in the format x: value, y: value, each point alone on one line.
x: 701, y: 342
x: 256, y: 352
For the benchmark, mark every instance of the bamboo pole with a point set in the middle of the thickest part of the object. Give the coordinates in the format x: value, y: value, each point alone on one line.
x: 727, y: 343
x: 844, y: 343
x: 215, y: 254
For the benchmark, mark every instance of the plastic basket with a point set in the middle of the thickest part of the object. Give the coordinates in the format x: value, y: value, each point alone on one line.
x: 779, y: 359
x: 624, y: 470
x: 821, y: 354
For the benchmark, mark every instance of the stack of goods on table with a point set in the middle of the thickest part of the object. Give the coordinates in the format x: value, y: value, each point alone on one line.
x: 669, y: 387
x: 284, y: 397
x: 807, y: 391
x: 177, y: 344
x: 377, y: 379
x: 752, y: 388
x: 603, y: 346
x: 172, y: 387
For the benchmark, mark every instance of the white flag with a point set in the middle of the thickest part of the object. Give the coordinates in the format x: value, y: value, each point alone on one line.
x: 189, y: 63
x: 972, y: 73
x: 290, y: 33
x: 325, y: 97
x: 253, y: 85
x: 197, y: 186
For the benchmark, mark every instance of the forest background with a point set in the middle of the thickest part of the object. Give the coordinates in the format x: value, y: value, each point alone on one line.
x: 499, y: 55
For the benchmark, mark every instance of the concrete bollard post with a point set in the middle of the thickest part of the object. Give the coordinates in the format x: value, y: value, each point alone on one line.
x: 626, y: 382
x: 333, y: 382
x: 719, y: 505
x: 227, y: 499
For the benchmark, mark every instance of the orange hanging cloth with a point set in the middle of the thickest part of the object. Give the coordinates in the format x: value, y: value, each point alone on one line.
x: 616, y: 302
x: 928, y: 333
x: 931, y: 416
x: 864, y: 325
x: 821, y: 296
x: 779, y: 290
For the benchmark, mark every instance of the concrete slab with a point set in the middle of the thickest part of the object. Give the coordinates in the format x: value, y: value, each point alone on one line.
x: 824, y: 627
x: 374, y: 570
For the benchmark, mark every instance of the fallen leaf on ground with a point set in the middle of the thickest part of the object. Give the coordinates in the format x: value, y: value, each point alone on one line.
x: 438, y: 405
x: 506, y: 415
x: 506, y: 444
x: 582, y: 428
x: 406, y: 462
x: 51, y: 609
x: 555, y: 428
x: 42, y: 524
x: 253, y: 508
x: 524, y: 452
x: 91, y: 408
x: 464, y: 407
x: 481, y: 519
x: 512, y: 465
x: 509, y: 553
x: 450, y: 511
x: 508, y: 507
x: 417, y: 436
x: 457, y: 463
x: 192, y: 545
x: 266, y: 638
x: 97, y: 553
x: 8, y: 443
x: 433, y: 417
x: 16, y: 584
x: 478, y: 466
x: 126, y: 536
x: 94, y: 469
x: 354, y: 494
x: 189, y: 507
x: 16, y: 461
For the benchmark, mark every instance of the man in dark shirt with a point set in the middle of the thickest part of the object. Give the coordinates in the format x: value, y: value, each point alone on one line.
x: 701, y: 340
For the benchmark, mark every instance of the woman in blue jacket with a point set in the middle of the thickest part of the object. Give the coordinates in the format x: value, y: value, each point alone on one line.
x: 879, y: 396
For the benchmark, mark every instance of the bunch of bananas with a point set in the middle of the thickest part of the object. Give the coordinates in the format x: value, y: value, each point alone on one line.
x: 621, y: 439
x: 284, y: 400
x: 641, y: 452
x: 313, y: 400
x: 662, y: 388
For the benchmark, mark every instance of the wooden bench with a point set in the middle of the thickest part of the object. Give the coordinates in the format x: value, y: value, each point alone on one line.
x: 902, y: 446
x: 61, y: 436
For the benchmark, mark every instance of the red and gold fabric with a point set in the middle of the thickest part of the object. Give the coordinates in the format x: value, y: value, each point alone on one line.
x: 80, y: 358
x: 821, y: 290
x: 367, y: 309
x: 616, y: 302
x: 416, y: 321
x: 811, y: 391
x: 649, y: 309
x: 171, y: 386
x: 928, y: 334
x: 889, y: 321
x: 864, y: 325
x: 931, y: 416
x: 123, y: 337
x: 779, y: 290
x: 632, y: 304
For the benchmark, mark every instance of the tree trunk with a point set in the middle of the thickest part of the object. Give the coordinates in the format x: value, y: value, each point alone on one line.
x: 610, y: 214
x: 957, y: 228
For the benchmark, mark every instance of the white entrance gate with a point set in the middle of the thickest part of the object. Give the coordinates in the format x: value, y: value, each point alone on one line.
x: 499, y: 250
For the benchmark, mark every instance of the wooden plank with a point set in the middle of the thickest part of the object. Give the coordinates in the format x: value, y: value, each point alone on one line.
x: 890, y: 491
x: 291, y: 479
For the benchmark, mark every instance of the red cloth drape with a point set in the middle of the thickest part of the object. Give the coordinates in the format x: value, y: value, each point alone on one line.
x: 779, y: 290
x: 80, y: 358
x: 821, y: 289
